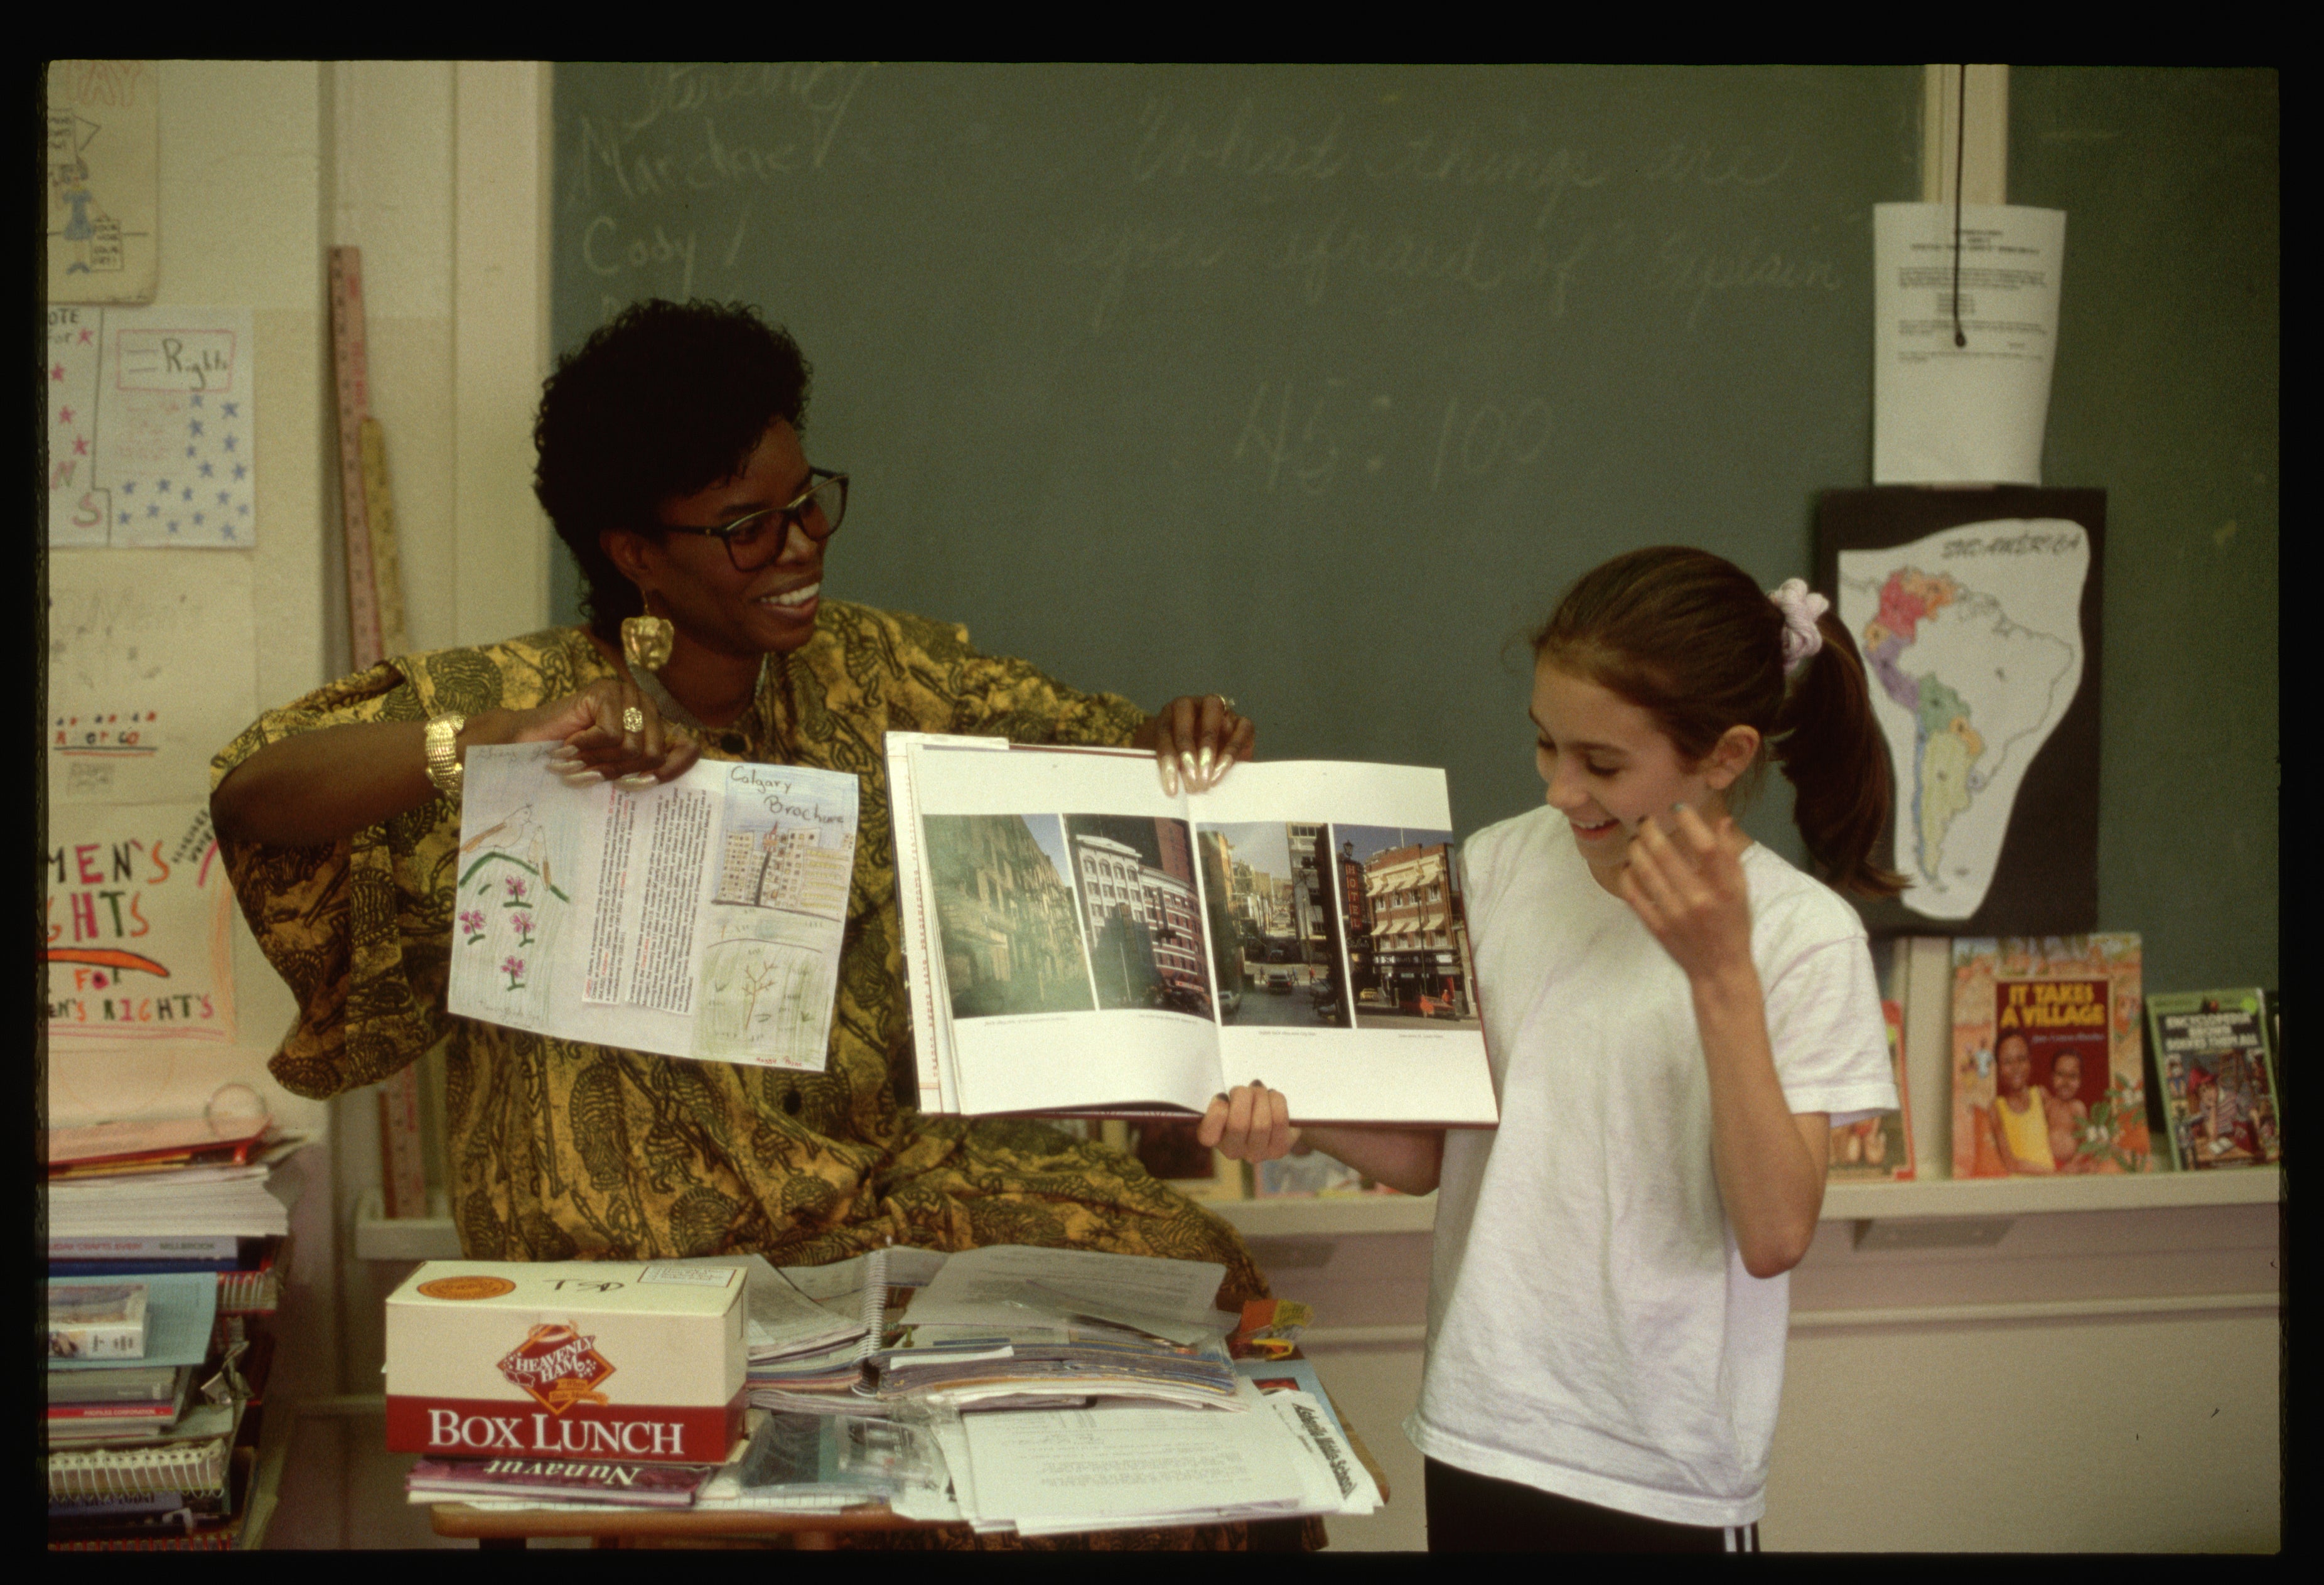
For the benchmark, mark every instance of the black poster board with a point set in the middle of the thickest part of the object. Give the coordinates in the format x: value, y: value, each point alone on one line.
x: 2045, y: 878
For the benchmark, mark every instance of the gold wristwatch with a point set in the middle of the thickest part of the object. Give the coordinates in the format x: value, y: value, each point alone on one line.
x: 444, y: 753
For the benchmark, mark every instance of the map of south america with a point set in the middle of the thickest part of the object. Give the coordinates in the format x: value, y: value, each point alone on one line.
x: 1972, y: 668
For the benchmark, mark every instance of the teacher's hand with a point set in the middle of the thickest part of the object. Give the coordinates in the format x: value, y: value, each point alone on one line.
x: 1197, y: 740
x: 608, y: 732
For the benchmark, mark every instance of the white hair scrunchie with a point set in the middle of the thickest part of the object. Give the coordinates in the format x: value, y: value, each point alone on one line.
x: 1800, y: 608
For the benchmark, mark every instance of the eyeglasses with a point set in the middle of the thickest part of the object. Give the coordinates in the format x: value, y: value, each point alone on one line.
x: 757, y: 537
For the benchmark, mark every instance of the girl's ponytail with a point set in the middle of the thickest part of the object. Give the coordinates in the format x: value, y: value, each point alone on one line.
x: 1693, y: 640
x: 1833, y: 750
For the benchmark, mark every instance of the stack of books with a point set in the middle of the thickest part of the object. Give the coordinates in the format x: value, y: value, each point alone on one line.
x: 167, y: 1254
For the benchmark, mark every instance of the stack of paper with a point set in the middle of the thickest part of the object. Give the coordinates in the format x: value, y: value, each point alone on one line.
x: 1118, y: 1466
x: 175, y: 1177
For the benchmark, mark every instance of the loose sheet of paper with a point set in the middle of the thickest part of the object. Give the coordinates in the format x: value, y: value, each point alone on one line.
x: 977, y: 1286
x: 1071, y: 1469
x: 1973, y: 414
x: 698, y: 918
x: 150, y: 672
x: 151, y: 415
x: 1973, y: 638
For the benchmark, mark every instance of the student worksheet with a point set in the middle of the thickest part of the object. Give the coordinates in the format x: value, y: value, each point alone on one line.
x: 698, y: 918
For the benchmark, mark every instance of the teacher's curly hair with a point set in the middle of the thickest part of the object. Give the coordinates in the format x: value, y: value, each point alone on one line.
x: 665, y: 399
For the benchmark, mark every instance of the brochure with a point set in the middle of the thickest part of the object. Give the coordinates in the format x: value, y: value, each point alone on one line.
x: 1078, y: 942
x: 698, y: 918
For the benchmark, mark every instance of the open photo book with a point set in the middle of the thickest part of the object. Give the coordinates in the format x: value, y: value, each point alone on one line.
x: 699, y: 917
x: 1079, y: 943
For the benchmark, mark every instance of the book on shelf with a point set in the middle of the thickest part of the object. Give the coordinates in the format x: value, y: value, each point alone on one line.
x: 2048, y: 1056
x: 1077, y: 942
x: 97, y: 1320
x: 138, y: 1383
x: 699, y: 917
x: 2215, y: 1073
x: 250, y: 1275
x: 179, y: 1310
x: 1879, y: 1148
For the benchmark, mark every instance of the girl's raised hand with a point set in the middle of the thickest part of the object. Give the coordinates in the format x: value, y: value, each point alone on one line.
x: 1684, y: 880
x: 1249, y: 1123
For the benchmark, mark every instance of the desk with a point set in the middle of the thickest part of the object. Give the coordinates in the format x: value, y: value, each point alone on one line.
x: 814, y: 1532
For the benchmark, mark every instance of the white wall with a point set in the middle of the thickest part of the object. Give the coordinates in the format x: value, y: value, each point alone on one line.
x: 436, y: 171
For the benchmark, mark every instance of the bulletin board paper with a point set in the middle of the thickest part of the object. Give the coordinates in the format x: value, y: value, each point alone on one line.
x: 1972, y: 413
x: 137, y: 920
x: 151, y: 429
x: 104, y: 185
x: 150, y: 672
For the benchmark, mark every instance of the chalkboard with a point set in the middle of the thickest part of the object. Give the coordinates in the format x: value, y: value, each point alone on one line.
x: 2166, y: 396
x: 1313, y: 386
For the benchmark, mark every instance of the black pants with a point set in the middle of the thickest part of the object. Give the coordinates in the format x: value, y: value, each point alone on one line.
x: 1476, y: 1513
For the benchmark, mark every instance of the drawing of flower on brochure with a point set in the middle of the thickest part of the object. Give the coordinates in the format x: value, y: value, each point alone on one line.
x: 778, y: 906
x: 514, y: 891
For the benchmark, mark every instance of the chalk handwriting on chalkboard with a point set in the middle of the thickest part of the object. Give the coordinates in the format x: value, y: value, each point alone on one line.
x: 1342, y: 435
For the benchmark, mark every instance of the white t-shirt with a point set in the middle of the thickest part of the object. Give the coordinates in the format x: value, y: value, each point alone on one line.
x: 1591, y: 1330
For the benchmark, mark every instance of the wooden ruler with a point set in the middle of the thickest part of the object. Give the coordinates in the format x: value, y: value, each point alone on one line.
x: 375, y: 626
x: 353, y: 383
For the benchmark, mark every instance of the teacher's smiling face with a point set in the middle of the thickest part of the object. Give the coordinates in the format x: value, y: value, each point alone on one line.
x: 757, y: 594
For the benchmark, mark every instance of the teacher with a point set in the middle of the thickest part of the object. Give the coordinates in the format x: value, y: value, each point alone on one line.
x: 672, y: 464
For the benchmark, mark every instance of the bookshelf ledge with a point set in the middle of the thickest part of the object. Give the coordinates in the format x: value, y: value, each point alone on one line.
x: 1328, y: 1215
x: 434, y: 1238
x: 2157, y: 1191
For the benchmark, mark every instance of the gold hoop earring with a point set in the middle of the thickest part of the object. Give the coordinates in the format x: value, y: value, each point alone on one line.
x: 646, y: 641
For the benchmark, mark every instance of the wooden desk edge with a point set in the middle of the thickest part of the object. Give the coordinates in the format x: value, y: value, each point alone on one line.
x: 459, y: 1521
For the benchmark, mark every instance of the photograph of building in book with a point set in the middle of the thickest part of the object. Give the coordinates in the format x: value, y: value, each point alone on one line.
x: 1407, y: 941
x: 2217, y: 1084
x: 1012, y: 941
x: 2048, y: 1056
x: 1278, y: 903
x: 1142, y: 913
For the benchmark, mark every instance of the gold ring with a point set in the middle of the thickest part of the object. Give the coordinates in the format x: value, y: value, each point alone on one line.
x: 1226, y: 703
x: 633, y: 719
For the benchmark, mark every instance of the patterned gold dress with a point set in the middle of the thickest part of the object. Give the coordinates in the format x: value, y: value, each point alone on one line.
x: 560, y: 1150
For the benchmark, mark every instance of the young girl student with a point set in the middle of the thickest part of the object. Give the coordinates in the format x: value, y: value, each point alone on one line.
x: 1675, y: 1016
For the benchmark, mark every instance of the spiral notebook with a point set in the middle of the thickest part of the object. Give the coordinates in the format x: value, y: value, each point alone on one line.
x: 182, y: 1467
x: 875, y: 1321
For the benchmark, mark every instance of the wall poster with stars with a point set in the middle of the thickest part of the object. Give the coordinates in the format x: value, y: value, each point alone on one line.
x: 151, y: 423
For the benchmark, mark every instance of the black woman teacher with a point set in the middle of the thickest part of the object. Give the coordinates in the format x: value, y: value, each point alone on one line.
x: 671, y: 464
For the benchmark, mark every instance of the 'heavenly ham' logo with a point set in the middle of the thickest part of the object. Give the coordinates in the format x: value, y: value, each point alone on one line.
x: 559, y: 1367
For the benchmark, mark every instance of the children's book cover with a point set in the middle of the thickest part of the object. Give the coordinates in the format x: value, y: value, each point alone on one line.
x: 2218, y: 1082
x: 2048, y: 1064
x: 1879, y: 1148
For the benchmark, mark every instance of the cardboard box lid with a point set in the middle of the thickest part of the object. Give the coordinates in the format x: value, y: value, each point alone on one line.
x: 593, y: 1286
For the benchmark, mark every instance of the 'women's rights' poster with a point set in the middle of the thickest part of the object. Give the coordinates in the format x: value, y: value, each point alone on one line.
x: 137, y: 921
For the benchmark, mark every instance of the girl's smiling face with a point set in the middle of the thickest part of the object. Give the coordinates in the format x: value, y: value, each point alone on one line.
x: 1607, y: 765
